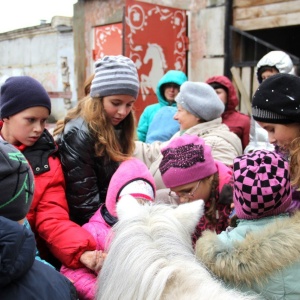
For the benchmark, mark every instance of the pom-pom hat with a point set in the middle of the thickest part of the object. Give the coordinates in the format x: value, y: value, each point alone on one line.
x: 186, y: 159
x: 261, y: 185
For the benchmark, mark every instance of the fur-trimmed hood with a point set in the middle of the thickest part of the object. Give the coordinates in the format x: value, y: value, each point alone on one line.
x: 254, y: 251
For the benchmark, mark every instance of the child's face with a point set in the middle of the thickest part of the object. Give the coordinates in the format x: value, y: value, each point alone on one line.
x: 200, y: 189
x: 26, y: 126
x: 222, y: 95
x: 280, y: 134
x: 185, y: 119
x: 118, y: 107
x: 268, y: 73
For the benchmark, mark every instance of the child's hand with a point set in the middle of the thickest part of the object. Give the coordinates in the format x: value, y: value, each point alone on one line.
x: 93, y: 259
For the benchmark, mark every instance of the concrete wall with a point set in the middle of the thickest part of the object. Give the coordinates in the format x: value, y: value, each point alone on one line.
x: 39, y: 52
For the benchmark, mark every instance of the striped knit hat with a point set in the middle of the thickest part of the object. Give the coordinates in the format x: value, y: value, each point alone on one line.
x: 115, y: 75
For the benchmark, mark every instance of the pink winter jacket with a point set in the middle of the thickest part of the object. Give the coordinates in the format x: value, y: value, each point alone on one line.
x: 84, y: 279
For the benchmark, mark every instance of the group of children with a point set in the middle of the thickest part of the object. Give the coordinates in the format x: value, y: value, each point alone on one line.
x: 68, y: 188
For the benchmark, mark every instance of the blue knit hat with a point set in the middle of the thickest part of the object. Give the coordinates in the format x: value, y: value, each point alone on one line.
x: 115, y: 75
x: 21, y: 92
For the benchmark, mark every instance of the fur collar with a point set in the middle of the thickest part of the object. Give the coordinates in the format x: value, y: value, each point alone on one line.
x: 260, y: 254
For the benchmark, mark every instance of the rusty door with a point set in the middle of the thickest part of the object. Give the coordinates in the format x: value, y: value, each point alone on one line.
x: 107, y: 40
x: 155, y: 38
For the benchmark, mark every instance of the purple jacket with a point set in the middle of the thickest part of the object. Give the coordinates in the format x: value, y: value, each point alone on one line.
x: 84, y: 279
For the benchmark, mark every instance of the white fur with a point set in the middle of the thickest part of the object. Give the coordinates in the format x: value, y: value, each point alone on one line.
x: 151, y: 256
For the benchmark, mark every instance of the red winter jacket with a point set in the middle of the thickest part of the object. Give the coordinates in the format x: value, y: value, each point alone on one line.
x: 236, y: 121
x: 49, y: 212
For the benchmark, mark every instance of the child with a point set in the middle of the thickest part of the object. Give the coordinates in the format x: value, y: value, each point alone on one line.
x: 262, y: 253
x: 190, y: 172
x: 276, y: 108
x: 24, y: 109
x: 272, y: 63
x: 21, y: 276
x: 132, y: 177
x: 166, y: 91
x: 236, y: 121
x: 97, y: 135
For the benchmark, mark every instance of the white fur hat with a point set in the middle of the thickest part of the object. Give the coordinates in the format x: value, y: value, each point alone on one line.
x: 201, y: 100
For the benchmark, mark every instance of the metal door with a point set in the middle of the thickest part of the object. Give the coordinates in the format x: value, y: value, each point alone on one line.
x: 154, y: 37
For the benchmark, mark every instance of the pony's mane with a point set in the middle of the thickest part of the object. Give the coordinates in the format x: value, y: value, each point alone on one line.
x: 149, y: 254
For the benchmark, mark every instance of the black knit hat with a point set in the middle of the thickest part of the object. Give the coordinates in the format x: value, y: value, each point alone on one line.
x: 21, y: 92
x: 16, y: 183
x: 277, y: 100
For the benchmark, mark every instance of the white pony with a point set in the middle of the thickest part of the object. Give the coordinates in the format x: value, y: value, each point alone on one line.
x: 151, y: 256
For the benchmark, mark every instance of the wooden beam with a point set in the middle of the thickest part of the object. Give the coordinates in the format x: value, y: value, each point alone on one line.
x: 250, y: 3
x: 254, y: 12
x: 244, y: 95
x: 268, y: 22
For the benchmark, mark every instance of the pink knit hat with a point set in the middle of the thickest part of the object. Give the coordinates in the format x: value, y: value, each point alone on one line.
x: 261, y: 185
x: 132, y: 177
x: 186, y: 159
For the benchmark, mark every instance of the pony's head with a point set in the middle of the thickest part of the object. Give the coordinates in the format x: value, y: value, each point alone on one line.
x: 145, y: 240
x: 151, y: 255
x: 187, y: 214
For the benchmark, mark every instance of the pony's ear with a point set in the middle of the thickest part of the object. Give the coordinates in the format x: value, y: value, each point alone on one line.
x: 189, y: 214
x: 127, y: 206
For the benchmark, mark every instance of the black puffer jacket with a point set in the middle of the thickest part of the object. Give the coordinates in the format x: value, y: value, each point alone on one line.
x: 87, y: 176
x: 23, y: 277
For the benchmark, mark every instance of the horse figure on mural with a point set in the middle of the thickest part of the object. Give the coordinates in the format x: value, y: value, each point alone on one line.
x: 159, y: 65
x: 151, y: 256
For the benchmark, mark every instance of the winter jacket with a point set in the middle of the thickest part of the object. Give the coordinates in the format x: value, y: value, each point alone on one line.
x: 236, y: 121
x: 87, y: 176
x: 85, y: 279
x: 163, y: 125
x: 23, y: 277
x: 225, y: 146
x: 150, y: 111
x: 49, y: 214
x: 261, y: 255
x: 101, y: 222
x: 258, y: 138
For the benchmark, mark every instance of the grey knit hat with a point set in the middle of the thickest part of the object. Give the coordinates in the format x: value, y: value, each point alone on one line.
x: 201, y: 100
x: 16, y: 183
x: 115, y: 75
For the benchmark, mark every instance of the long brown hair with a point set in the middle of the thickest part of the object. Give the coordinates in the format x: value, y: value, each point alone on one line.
x: 295, y: 162
x: 211, y: 212
x: 106, y: 139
